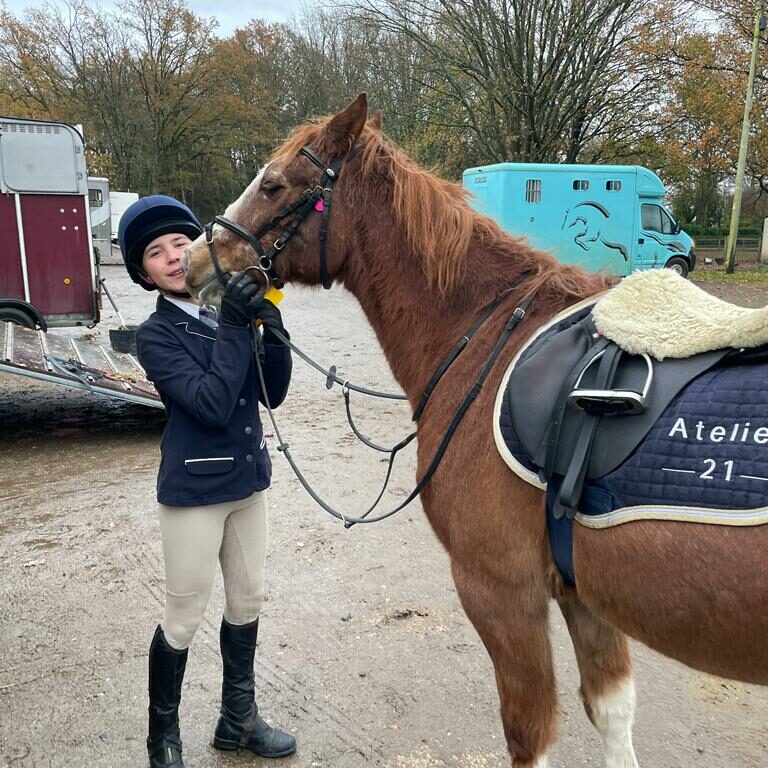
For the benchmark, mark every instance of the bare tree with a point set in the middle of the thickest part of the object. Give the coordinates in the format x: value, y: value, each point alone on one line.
x: 531, y: 80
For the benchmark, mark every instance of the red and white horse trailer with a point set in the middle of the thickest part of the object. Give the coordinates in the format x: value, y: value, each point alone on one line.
x: 49, y: 277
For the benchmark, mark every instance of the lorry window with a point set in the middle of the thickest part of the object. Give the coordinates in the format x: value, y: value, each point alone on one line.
x: 667, y: 225
x: 656, y: 219
x: 533, y: 190
x: 614, y: 185
x: 95, y: 199
x: 581, y: 184
x: 651, y: 217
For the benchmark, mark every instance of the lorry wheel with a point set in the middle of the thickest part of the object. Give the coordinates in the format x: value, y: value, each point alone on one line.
x: 17, y: 317
x: 678, y: 264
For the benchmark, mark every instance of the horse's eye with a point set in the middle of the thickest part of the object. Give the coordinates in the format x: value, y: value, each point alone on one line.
x: 271, y: 187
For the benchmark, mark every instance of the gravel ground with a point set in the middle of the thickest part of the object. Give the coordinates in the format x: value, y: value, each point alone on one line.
x: 364, y: 652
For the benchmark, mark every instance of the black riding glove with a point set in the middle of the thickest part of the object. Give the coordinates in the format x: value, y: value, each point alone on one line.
x: 271, y: 319
x: 242, y: 300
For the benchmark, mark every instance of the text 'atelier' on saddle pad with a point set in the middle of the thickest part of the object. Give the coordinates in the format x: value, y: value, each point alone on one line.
x: 704, y: 460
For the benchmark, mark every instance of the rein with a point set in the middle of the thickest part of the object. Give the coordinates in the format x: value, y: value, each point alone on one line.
x: 348, y: 520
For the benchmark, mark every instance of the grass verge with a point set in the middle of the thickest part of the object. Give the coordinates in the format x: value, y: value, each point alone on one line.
x: 748, y: 273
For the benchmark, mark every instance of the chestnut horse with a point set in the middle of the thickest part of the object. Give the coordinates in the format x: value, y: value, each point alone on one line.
x: 422, y: 264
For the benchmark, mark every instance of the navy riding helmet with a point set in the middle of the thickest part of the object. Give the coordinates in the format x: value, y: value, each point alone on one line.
x: 146, y: 219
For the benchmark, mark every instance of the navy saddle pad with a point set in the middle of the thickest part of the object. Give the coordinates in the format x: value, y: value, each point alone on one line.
x: 708, y: 448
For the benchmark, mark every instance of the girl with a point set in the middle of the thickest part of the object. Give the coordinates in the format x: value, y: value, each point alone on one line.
x: 214, y: 473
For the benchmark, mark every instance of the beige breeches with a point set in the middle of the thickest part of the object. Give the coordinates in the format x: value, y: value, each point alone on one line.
x: 194, y: 538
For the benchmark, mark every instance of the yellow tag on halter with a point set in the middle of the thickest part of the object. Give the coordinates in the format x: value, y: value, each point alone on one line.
x: 275, y: 295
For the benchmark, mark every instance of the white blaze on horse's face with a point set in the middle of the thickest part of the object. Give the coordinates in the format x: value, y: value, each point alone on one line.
x: 194, y: 260
x: 234, y: 208
x: 185, y: 256
x: 269, y: 181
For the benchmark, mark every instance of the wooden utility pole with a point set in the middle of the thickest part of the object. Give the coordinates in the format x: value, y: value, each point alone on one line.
x: 733, y: 232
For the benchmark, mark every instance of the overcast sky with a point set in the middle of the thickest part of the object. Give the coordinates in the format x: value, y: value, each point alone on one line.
x: 229, y: 15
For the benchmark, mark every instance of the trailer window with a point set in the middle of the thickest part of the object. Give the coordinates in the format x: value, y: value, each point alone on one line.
x: 95, y: 198
x: 614, y: 185
x: 581, y: 184
x: 533, y: 190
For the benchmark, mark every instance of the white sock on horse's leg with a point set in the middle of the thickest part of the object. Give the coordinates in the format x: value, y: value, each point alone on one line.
x: 612, y: 715
x: 541, y: 762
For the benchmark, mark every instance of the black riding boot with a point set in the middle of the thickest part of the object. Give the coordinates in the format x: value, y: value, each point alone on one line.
x: 166, y: 673
x: 240, y: 725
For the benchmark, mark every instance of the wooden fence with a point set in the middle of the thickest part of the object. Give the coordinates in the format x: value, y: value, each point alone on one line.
x: 743, y: 244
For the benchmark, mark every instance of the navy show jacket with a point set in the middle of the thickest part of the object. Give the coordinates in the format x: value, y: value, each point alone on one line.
x: 213, y: 447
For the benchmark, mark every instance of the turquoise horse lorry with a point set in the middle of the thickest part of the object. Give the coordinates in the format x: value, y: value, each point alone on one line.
x: 607, y: 218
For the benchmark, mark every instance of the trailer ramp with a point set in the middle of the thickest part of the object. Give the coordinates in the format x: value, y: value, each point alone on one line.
x: 76, y: 363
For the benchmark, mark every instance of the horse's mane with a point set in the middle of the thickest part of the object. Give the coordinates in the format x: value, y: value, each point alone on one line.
x: 441, y: 225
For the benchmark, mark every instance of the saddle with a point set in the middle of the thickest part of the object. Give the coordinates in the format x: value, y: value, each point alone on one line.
x: 590, y: 410
x: 577, y: 405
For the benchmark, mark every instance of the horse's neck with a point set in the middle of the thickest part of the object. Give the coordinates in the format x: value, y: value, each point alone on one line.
x: 417, y: 326
x: 414, y: 325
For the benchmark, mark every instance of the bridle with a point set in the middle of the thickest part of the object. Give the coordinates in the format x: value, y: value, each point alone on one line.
x: 316, y: 199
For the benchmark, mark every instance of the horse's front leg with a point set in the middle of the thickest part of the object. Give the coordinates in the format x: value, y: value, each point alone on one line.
x: 607, y: 689
x: 510, y: 615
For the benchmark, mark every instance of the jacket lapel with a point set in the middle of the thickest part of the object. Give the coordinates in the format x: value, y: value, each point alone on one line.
x: 195, y: 335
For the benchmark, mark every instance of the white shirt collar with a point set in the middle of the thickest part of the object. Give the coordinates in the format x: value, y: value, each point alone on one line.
x: 187, y: 306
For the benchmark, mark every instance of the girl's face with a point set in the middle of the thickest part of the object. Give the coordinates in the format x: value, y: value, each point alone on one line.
x: 162, y: 262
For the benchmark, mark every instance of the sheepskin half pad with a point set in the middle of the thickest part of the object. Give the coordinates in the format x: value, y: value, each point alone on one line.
x: 664, y: 315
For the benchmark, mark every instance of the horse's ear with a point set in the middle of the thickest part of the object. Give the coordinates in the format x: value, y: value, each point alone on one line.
x: 346, y: 126
x: 377, y: 118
